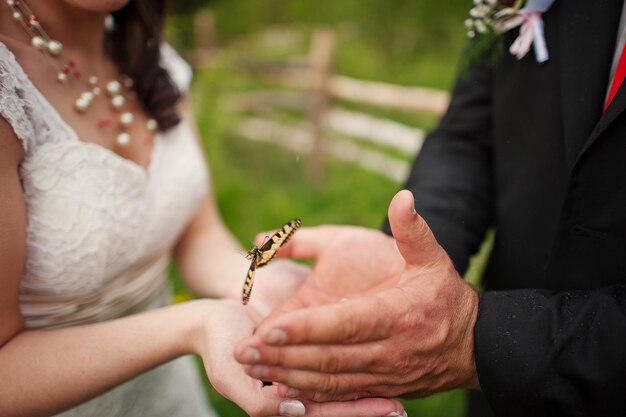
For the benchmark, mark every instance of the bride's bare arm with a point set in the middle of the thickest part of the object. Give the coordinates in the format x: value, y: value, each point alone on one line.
x: 47, y: 371
x: 12, y: 231
x: 213, y: 263
x: 210, y: 259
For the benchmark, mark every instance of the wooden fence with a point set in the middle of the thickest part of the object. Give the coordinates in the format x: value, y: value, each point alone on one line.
x: 326, y: 129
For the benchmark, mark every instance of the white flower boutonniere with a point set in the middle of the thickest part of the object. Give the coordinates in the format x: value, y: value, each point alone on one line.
x: 494, y: 17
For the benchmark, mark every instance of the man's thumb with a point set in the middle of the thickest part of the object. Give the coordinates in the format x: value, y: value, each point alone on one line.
x: 413, y: 236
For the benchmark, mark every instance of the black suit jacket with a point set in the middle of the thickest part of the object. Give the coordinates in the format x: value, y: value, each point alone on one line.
x: 525, y: 147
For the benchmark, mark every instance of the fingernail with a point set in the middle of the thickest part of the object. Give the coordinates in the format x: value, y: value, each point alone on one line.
x: 291, y: 408
x: 276, y: 337
x: 292, y: 393
x: 260, y: 371
x: 396, y: 414
x: 250, y: 355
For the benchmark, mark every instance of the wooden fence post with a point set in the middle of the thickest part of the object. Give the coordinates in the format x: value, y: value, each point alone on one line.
x: 204, y: 37
x: 321, y: 63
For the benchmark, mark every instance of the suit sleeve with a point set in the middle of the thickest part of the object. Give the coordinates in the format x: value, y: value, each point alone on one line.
x: 451, y: 177
x: 544, y: 353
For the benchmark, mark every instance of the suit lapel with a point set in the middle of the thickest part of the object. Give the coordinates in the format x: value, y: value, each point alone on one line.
x: 616, y: 107
x: 587, y: 34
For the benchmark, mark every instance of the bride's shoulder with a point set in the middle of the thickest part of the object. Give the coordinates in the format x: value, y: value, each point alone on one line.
x: 11, y: 149
x: 14, y: 108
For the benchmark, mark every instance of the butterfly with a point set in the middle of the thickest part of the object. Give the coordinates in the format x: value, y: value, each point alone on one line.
x: 261, y: 256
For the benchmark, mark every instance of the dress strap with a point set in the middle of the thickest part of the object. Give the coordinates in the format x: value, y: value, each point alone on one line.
x: 15, y: 107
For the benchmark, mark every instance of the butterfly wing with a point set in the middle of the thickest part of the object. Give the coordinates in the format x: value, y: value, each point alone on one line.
x: 247, y: 285
x: 269, y: 248
x: 261, y: 256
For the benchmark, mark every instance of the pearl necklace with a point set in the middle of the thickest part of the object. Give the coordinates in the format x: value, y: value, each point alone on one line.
x: 120, y: 93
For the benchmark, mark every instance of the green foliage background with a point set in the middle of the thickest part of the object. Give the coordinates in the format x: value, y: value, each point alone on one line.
x: 258, y: 186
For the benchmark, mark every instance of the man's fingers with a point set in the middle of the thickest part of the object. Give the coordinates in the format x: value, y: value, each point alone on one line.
x: 372, y: 356
x: 305, y: 243
x: 317, y: 386
x: 414, y: 238
x: 346, y: 322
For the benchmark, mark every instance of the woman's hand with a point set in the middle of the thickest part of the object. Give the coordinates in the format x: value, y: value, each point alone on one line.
x: 225, y: 324
x: 274, y: 284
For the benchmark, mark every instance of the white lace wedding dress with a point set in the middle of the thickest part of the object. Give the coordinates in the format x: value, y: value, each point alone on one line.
x: 100, y: 232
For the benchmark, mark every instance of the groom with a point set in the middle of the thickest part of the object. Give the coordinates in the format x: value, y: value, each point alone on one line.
x: 535, y: 151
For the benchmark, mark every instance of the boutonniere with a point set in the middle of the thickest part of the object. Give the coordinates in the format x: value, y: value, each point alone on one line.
x: 490, y: 18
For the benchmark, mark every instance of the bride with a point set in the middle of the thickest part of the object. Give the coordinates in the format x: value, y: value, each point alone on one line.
x: 103, y: 182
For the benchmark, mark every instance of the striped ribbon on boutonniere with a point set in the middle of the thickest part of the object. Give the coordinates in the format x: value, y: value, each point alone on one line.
x: 491, y: 18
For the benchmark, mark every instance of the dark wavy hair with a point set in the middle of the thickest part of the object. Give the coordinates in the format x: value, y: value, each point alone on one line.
x: 134, y: 42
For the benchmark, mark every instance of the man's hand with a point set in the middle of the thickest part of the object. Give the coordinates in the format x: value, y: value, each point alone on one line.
x: 350, y: 261
x: 374, y: 318
x: 369, y: 266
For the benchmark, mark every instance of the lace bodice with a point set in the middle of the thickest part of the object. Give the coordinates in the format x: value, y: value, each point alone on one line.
x: 92, y: 213
x: 93, y: 216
